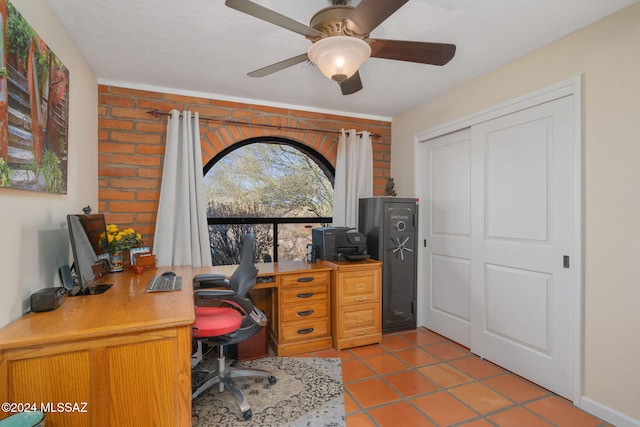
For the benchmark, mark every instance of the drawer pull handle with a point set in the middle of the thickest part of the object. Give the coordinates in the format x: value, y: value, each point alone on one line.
x: 305, y: 331
x: 360, y: 299
x: 304, y: 279
x: 305, y: 295
x: 359, y: 286
x: 360, y: 333
x: 305, y: 313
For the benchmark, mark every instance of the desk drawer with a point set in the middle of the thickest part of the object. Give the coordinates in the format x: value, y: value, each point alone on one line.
x: 300, y: 331
x: 305, y: 311
x: 304, y: 279
x: 359, y: 320
x: 358, y: 286
x: 303, y: 295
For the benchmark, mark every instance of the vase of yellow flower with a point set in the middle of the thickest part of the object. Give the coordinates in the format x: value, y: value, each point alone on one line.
x: 117, y: 261
x: 116, y: 241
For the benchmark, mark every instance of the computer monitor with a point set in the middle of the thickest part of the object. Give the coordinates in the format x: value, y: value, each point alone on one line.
x: 95, y: 227
x: 86, y: 266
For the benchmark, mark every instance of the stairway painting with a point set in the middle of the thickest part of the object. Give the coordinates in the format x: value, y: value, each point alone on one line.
x: 33, y: 109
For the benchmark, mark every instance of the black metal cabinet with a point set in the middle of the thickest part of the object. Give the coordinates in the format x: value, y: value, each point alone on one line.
x: 391, y: 227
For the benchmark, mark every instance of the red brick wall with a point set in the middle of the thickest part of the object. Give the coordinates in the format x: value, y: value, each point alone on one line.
x: 131, y: 144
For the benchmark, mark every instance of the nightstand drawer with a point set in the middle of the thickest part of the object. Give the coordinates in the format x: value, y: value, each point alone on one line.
x: 358, y: 287
x: 303, y: 295
x: 305, y: 311
x: 300, y: 331
x: 360, y: 320
x: 311, y: 278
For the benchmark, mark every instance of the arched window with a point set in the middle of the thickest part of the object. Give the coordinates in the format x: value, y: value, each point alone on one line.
x: 276, y: 188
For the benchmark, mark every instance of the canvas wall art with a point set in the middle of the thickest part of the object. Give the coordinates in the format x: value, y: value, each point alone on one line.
x: 34, y: 111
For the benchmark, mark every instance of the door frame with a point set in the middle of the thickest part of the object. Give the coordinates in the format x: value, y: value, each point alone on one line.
x: 571, y: 87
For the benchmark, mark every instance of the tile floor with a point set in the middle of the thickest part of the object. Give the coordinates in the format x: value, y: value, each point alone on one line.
x: 419, y: 378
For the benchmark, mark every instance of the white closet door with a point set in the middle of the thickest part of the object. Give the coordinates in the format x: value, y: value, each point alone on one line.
x: 446, y: 258
x: 522, y: 199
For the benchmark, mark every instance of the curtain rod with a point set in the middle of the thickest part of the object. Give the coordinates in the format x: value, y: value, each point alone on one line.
x: 157, y: 114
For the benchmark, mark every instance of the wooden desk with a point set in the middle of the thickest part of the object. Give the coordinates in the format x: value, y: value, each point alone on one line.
x: 123, y: 356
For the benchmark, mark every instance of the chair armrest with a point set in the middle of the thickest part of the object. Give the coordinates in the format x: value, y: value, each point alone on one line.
x: 214, y: 293
x: 208, y: 277
x: 210, y: 281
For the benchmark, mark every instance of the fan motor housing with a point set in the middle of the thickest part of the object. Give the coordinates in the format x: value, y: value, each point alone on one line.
x: 331, y: 21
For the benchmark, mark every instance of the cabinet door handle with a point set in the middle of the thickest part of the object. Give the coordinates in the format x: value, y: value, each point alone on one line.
x: 305, y: 313
x: 305, y: 331
x: 305, y: 295
x: 304, y: 279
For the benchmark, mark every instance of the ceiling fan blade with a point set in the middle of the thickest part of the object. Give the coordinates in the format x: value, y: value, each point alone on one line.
x: 261, y: 12
x: 278, y: 66
x: 371, y: 13
x: 410, y: 51
x: 352, y: 85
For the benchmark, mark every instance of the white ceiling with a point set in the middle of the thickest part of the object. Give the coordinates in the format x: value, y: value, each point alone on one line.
x: 202, y: 47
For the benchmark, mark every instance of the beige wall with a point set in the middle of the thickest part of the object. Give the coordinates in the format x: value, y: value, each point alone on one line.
x: 607, y: 55
x: 34, y: 237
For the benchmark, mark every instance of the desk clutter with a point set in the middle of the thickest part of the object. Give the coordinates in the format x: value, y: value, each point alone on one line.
x: 47, y: 299
x: 143, y: 261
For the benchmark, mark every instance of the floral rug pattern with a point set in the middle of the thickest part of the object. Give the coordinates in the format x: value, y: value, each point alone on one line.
x: 309, y: 392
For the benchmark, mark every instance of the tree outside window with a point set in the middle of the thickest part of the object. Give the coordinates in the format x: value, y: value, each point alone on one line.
x: 266, y: 179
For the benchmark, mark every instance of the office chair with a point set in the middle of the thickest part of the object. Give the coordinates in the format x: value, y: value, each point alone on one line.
x: 233, y: 320
x: 243, y: 278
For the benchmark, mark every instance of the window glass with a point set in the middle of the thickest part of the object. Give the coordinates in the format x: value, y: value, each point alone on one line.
x: 267, y: 179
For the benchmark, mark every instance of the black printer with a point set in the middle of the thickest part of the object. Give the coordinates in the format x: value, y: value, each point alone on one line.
x: 339, y: 244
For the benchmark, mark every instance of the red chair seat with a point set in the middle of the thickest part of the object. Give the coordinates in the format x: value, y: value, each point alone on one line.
x: 215, y: 321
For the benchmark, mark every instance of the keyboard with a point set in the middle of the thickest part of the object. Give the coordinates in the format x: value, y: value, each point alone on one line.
x: 161, y: 284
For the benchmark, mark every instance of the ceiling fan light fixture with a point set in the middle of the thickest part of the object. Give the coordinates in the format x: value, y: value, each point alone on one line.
x: 339, y: 57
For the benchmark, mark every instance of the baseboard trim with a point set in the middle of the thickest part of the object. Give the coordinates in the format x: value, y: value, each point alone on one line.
x: 608, y: 414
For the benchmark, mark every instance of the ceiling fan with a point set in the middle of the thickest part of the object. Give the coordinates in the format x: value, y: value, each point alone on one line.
x: 341, y: 43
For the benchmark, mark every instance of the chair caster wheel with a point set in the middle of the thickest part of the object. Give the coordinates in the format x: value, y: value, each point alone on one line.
x: 272, y: 380
x: 247, y: 415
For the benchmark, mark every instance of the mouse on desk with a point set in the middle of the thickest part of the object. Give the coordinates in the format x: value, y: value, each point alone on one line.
x: 168, y: 274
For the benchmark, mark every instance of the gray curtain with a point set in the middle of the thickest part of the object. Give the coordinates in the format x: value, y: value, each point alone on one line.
x: 354, y: 176
x: 182, y: 236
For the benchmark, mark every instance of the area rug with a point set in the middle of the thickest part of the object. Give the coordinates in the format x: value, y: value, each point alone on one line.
x: 308, y: 392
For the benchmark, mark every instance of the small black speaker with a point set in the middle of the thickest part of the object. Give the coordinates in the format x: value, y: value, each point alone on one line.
x: 65, y: 277
x: 47, y: 299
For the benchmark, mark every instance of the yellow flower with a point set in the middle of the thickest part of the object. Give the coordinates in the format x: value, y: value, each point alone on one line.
x: 117, y: 240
